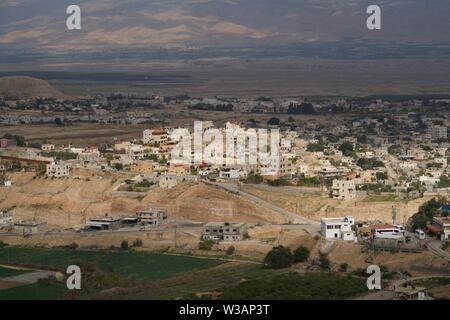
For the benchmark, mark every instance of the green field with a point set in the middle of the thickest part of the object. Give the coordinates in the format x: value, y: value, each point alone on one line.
x: 37, y: 291
x: 141, y: 265
x: 8, y: 272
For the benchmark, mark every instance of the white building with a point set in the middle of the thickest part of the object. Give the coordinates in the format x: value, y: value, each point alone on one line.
x: 338, y: 228
x: 343, y: 189
x: 168, y: 181
x: 58, y: 169
x: 437, y: 132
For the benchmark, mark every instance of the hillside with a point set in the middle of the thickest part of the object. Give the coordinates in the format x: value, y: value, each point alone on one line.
x: 69, y: 202
x: 27, y: 87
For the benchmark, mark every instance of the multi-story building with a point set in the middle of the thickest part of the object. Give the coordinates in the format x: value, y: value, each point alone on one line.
x: 226, y: 231
x: 338, y: 228
x: 155, y: 136
x: 58, y: 169
x: 343, y: 189
x: 152, y: 217
x: 438, y: 132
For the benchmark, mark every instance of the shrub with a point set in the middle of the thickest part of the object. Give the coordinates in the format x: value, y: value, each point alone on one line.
x: 124, y: 245
x: 3, y: 244
x: 206, y: 245
x: 301, y: 254
x: 324, y: 262
x: 137, y: 243
x: 278, y: 258
x: 343, y: 267
x: 231, y: 250
x: 73, y: 246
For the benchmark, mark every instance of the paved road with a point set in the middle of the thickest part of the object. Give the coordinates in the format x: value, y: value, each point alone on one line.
x: 435, y: 247
x: 314, y: 226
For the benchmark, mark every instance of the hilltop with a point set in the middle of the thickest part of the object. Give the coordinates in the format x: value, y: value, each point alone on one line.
x: 27, y: 87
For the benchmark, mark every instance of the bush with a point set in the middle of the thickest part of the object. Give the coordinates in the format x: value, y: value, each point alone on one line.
x: 343, y: 267
x: 206, y: 245
x: 301, y: 254
x: 278, y: 258
x: 73, y: 246
x: 137, y: 243
x: 324, y: 262
x: 231, y: 250
x: 124, y: 245
x: 3, y: 244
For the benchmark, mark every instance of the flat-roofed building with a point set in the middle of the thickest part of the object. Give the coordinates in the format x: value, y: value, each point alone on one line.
x: 223, y: 231
x: 58, y: 169
x: 104, y: 223
x: 440, y: 226
x: 152, y: 216
x: 338, y: 228
x: 343, y: 189
x: 30, y: 227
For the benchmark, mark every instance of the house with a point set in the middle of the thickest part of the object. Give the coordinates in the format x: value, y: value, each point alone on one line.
x: 338, y: 228
x: 58, y: 169
x: 6, y: 218
x: 48, y: 147
x: 233, y: 173
x: 152, y: 217
x: 168, y: 181
x: 343, y: 189
x: 142, y: 167
x: 440, y: 226
x: 5, y: 143
x: 30, y: 227
x: 104, y: 223
x: 223, y: 231
x: 155, y: 136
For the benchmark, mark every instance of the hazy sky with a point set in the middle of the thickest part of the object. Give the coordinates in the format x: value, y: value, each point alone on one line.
x: 40, y: 24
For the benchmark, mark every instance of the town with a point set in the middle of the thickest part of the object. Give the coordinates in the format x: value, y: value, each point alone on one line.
x: 363, y: 175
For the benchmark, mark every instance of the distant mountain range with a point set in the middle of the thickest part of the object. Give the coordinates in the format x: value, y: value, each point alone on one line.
x: 39, y: 25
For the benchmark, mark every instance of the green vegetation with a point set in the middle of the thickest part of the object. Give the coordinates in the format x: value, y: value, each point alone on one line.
x: 427, y: 212
x: 206, y: 245
x: 278, y: 258
x: 59, y: 155
x: 41, y: 290
x: 278, y: 182
x: 444, y: 182
x: 315, y: 147
x: 9, y: 272
x: 141, y: 265
x: 369, y: 164
x: 301, y: 254
x: 296, y: 287
x: 347, y: 149
x: 308, y: 182
x: 253, y: 178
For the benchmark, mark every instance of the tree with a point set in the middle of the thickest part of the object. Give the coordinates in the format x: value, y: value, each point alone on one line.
x: 124, y: 245
x: 315, y: 147
x: 381, y: 176
x: 206, y: 245
x: 273, y: 122
x: 444, y: 182
x: 301, y: 254
x: 59, y: 122
x: 118, y: 166
x: 278, y: 258
x: 324, y: 262
x: 231, y: 250
x: 346, y: 148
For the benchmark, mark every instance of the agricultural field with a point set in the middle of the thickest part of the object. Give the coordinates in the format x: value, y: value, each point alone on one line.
x: 10, y: 272
x: 140, y: 265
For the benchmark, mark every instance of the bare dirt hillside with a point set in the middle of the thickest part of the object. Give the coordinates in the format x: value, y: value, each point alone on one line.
x: 27, y: 87
x: 69, y: 202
